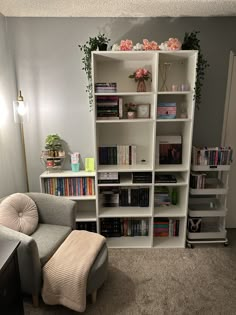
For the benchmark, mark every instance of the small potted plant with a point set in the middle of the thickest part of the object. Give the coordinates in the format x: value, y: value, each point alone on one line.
x: 102, y: 41
x: 131, y: 110
x: 53, y: 144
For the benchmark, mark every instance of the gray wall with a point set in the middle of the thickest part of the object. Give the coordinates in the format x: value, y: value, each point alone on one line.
x: 48, y: 68
x: 12, y: 172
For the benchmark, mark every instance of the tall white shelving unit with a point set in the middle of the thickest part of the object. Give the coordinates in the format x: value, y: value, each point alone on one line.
x: 116, y: 67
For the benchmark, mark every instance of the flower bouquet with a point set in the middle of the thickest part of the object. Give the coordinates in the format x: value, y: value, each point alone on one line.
x: 141, y: 75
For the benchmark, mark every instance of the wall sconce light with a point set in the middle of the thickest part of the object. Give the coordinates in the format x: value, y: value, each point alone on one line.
x: 21, y: 112
x: 21, y: 115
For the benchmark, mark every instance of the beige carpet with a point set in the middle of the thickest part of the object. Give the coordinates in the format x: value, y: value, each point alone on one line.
x: 162, y: 282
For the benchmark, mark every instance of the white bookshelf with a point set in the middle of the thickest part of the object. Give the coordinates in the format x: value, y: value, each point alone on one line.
x: 109, y: 66
x: 207, y: 205
x: 60, y: 183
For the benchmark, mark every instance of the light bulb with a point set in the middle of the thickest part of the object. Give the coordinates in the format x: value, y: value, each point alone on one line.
x: 21, y: 109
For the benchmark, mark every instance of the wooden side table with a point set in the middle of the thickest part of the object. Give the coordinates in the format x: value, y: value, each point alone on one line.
x: 10, y: 290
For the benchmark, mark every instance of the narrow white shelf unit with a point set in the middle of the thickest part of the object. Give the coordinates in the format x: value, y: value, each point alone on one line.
x: 115, y: 67
x: 207, y: 205
x: 77, y: 186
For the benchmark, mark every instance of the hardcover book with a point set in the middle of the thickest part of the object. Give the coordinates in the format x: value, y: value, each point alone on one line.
x: 169, y: 149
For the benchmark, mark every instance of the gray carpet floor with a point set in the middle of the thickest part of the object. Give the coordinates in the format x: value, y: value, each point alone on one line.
x: 164, y: 281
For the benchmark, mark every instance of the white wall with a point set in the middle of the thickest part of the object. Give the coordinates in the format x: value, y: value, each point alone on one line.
x: 48, y: 68
x: 12, y: 172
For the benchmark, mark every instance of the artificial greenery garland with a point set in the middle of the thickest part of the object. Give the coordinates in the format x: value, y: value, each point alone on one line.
x: 191, y: 42
x: 94, y: 43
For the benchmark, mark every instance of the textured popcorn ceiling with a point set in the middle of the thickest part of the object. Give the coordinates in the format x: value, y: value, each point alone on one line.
x: 117, y: 8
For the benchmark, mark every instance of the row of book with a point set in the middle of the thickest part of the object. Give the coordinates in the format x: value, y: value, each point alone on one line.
x: 166, y: 227
x: 105, y: 87
x: 69, y: 186
x: 197, y: 180
x: 87, y: 226
x: 107, y: 107
x: 117, y: 155
x: 162, y: 196
x: 117, y: 227
x: 124, y: 197
x: 212, y: 155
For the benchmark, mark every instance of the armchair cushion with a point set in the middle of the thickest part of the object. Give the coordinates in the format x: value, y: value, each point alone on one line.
x: 19, y: 212
x: 48, y: 238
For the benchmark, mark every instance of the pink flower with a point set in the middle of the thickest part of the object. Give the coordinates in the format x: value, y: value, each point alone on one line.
x: 150, y: 45
x: 140, y: 74
x: 173, y: 44
x: 126, y: 44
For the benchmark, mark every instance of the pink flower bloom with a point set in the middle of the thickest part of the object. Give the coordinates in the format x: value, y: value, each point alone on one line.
x: 173, y: 44
x: 150, y: 45
x: 140, y: 74
x: 126, y: 45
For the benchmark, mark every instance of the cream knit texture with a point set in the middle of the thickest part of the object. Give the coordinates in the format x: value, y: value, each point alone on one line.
x: 65, y: 274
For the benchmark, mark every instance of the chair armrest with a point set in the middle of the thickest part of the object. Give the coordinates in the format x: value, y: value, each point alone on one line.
x: 54, y: 209
x: 28, y: 259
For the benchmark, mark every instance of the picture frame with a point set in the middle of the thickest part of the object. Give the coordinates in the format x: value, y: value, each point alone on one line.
x: 143, y: 110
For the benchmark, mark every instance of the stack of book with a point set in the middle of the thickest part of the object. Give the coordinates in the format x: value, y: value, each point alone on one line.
x: 142, y: 177
x: 161, y: 196
x: 166, y: 227
x: 197, y: 180
x: 104, y: 87
x: 117, y: 155
x: 166, y: 110
x: 108, y: 178
x: 107, y: 107
x: 165, y: 178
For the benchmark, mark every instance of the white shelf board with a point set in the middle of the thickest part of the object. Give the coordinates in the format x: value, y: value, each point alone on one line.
x: 125, y: 182
x: 210, y: 168
x: 221, y: 233
x: 124, y: 55
x: 207, y: 213
x: 169, y: 242
x: 159, y: 120
x: 67, y: 173
x: 175, y: 92
x: 206, y: 207
x: 122, y: 121
x: 208, y: 191
x: 86, y: 216
x: 122, y: 212
x: 169, y: 211
x: 93, y: 197
x: 129, y: 242
x: 125, y: 168
x: 125, y: 93
x: 171, y: 168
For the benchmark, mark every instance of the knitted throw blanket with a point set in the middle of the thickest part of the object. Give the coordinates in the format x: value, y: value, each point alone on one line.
x: 65, y: 274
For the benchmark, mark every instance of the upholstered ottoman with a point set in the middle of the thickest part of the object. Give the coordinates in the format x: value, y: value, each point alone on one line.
x: 77, y: 269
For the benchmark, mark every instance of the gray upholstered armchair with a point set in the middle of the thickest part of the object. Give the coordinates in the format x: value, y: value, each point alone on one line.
x: 56, y: 220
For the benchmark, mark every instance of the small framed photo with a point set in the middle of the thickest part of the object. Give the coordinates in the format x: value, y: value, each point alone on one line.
x: 143, y: 110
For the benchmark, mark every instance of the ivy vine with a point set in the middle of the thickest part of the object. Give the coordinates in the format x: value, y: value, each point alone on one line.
x: 191, y: 42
